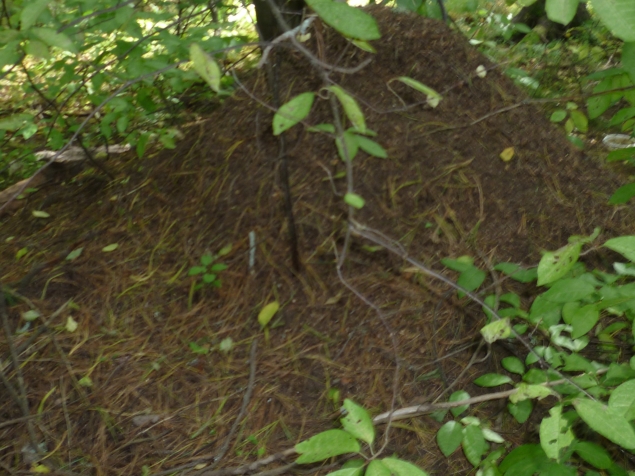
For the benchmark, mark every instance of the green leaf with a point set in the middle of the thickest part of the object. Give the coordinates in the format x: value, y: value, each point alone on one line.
x: 9, y: 54
x: 606, y: 422
x: 458, y: 397
x: 449, y: 437
x: 583, y: 319
x: 30, y: 315
x: 496, y: 330
x: 205, y: 66
x: 513, y: 365
x: 555, y: 264
x: 53, y: 38
x: 624, y: 245
x: 194, y: 270
x: 555, y: 434
x: 593, y: 454
x: 521, y: 411
x: 622, y: 194
x: 621, y: 154
x: 15, y: 122
x: 492, y: 436
x: 109, y: 248
x: 292, y: 112
x: 558, y: 115
x: 569, y: 290
x: 622, y: 400
x: 206, y: 260
x: 40, y: 214
x: 618, y: 16
x: 399, y: 467
x: 377, y: 468
x: 471, y: 279
x: 580, y: 121
x: 21, y: 252
x: 628, y: 59
x: 326, y: 445
x: 209, y: 278
x: 197, y: 349
x: 74, y: 254
x: 31, y: 12
x: 37, y: 49
x: 371, y: 147
x: 328, y: 128
x: 561, y: 11
x: 517, y: 273
x: 597, y: 105
x: 474, y: 444
x: 432, y: 97
x: 524, y: 460
x: 350, y: 106
x: 357, y: 422
x: 267, y: 313
x: 218, y: 267
x: 347, y: 472
x: 492, y: 380
x: 347, y: 20
x: 352, y: 146
x: 354, y: 200
x: 225, y: 250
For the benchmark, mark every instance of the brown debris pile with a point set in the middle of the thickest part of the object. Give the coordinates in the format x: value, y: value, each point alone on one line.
x: 163, y: 394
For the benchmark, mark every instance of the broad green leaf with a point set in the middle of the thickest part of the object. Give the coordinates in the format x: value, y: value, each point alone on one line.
x: 526, y: 391
x: 624, y: 245
x: 377, y: 468
x: 569, y: 290
x: 9, y: 54
x: 356, y: 464
x: 364, y: 46
x: 352, y: 146
x: 292, y: 112
x: 433, y: 97
x: 513, y: 365
x: 618, y: 16
x: 350, y: 106
x: 492, y: 380
x: 347, y: 20
x: 206, y: 259
x: 496, y: 330
x: 53, y: 38
x: 580, y: 121
x: 205, y: 66
x: 267, y: 313
x: 371, y: 147
x: 37, y: 49
x: 521, y: 411
x: 31, y: 12
x: 583, y: 320
x: 471, y: 279
x: 597, y: 105
x: 558, y: 115
x: 110, y: 247
x: 354, y: 200
x: 15, y: 122
x: 555, y: 264
x: 459, y: 396
x: 357, y: 422
x: 593, y: 454
x: 347, y: 472
x: 523, y: 460
x: 517, y: 273
x: 326, y: 445
x: 449, y: 437
x: 399, y: 467
x: 628, y: 59
x: 194, y: 270
x: 74, y: 254
x: 606, y: 422
x: 561, y: 11
x: 474, y: 444
x: 623, y: 194
x: 622, y: 400
x: 555, y: 434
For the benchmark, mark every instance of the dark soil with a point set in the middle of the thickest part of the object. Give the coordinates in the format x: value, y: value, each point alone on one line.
x: 443, y: 192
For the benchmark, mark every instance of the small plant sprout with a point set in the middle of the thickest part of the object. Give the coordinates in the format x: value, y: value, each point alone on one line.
x: 208, y: 269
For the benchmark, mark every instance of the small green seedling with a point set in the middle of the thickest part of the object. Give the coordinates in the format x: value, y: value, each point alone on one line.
x: 209, y: 269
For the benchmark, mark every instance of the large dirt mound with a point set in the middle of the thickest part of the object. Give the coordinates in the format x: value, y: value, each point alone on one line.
x: 443, y: 191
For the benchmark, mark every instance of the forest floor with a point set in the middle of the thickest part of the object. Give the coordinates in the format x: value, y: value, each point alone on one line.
x: 143, y: 381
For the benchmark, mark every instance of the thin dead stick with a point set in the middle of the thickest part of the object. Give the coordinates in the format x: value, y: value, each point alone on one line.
x: 410, y: 412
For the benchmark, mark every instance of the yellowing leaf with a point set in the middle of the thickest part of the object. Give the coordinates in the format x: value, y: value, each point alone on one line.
x: 40, y: 469
x: 481, y: 72
x: 40, y: 214
x: 267, y: 313
x: 507, y: 154
x: 71, y: 324
x: 205, y: 65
